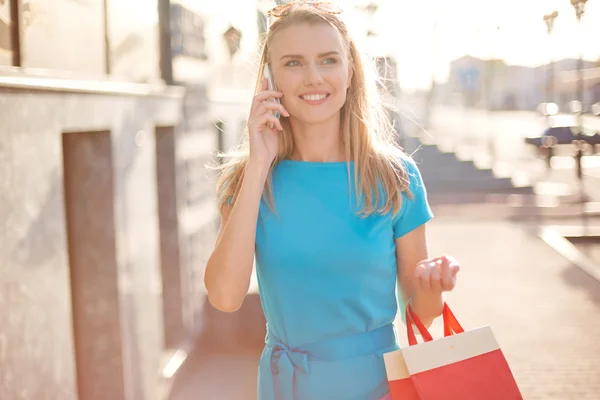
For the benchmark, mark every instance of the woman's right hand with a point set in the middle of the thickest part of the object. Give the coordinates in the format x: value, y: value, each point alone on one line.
x: 264, y: 127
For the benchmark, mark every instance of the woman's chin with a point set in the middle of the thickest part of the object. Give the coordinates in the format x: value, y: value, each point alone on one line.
x: 315, y: 118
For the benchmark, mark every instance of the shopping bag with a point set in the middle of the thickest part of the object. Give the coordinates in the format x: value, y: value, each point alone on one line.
x: 460, y: 366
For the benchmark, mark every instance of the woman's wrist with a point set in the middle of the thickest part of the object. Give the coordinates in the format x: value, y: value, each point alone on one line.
x: 257, y: 169
x: 427, y: 305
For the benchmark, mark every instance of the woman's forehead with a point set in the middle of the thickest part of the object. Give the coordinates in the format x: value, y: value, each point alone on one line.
x: 306, y: 40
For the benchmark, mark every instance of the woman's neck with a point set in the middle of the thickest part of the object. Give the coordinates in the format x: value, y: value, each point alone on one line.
x: 320, y: 142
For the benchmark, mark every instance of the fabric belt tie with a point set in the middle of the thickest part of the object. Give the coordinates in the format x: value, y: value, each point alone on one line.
x: 287, y: 362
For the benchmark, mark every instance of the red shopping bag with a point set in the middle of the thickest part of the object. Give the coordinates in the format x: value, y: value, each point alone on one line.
x: 461, y: 366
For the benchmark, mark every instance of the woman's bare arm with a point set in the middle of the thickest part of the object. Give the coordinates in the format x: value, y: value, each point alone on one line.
x: 229, y: 268
x: 411, y: 251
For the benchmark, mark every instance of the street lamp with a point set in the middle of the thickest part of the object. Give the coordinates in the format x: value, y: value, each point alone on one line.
x: 370, y: 9
x: 549, y: 105
x: 491, y: 91
x: 579, y: 6
x: 233, y: 38
x: 549, y: 20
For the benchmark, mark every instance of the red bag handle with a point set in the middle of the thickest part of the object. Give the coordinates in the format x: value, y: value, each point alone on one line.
x: 451, y: 325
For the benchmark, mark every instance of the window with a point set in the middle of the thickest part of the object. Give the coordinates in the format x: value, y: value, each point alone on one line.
x: 63, y: 35
x: 133, y: 39
x: 6, y: 37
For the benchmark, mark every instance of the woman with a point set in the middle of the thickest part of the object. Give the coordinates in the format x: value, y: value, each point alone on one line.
x: 333, y: 212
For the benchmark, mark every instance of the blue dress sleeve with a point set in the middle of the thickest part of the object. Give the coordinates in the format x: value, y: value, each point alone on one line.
x: 416, y: 211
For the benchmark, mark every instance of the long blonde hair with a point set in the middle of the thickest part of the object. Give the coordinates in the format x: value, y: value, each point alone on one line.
x: 368, y: 135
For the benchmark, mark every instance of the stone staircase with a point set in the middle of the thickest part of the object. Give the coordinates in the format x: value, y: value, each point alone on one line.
x: 450, y: 179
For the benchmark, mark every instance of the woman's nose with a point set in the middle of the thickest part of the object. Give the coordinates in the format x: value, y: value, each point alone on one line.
x: 313, y: 75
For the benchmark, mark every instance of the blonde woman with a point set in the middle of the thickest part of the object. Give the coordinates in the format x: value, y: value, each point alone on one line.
x: 333, y: 212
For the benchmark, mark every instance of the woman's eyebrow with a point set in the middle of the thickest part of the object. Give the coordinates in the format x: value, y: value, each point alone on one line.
x: 328, y: 53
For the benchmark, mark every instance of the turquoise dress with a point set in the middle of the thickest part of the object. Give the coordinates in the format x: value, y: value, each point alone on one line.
x: 327, y: 281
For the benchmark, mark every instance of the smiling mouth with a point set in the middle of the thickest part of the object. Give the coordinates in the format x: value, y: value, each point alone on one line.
x: 314, y: 97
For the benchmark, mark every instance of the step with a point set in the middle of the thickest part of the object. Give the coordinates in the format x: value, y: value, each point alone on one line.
x: 460, y: 171
x: 495, y: 204
x: 431, y: 152
x: 471, y: 179
x: 444, y: 159
x: 454, y: 189
x: 464, y: 185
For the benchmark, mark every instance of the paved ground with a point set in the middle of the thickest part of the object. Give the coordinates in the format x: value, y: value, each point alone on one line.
x: 544, y: 311
x: 217, y: 376
x: 590, y: 249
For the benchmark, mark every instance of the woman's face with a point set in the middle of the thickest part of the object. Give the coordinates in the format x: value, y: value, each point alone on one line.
x: 311, y: 68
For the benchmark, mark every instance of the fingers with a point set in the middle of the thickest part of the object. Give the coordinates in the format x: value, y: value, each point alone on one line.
x: 423, y: 274
x: 268, y: 113
x: 437, y: 274
x: 450, y: 268
x: 265, y: 95
x: 275, y: 123
x: 270, y: 120
x: 265, y: 84
x: 421, y: 277
x: 435, y: 280
x: 261, y: 103
x: 269, y: 105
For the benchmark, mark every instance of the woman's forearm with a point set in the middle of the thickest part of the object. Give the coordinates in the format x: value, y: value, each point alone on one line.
x: 427, y: 306
x: 229, y: 268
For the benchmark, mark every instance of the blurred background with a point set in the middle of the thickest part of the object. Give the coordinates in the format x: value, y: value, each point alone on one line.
x: 111, y: 110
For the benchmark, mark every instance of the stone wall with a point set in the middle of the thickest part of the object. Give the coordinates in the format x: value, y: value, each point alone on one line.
x: 81, y: 280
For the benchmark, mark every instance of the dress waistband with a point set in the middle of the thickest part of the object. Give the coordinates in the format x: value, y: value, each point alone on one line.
x: 286, y: 362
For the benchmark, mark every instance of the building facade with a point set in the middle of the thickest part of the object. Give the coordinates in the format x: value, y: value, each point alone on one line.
x: 495, y: 85
x: 109, y: 112
x: 214, y: 54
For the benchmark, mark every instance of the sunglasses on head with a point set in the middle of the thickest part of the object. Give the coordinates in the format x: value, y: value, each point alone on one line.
x: 286, y: 9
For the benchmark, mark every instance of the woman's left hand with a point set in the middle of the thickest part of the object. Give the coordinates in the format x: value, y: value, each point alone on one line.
x: 436, y: 275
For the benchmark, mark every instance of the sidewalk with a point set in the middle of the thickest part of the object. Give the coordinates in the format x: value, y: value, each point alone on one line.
x: 544, y: 311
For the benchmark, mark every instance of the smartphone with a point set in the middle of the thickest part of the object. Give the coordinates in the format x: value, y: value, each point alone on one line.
x: 269, y: 75
x: 271, y: 85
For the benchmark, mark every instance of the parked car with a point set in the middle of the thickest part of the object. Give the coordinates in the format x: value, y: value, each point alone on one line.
x: 561, y: 135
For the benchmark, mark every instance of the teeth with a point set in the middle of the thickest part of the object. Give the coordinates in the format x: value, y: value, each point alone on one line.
x: 314, y: 97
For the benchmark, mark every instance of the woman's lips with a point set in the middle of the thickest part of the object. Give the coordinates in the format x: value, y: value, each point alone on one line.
x: 315, y: 98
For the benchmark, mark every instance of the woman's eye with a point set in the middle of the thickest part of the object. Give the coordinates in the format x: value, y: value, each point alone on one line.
x: 293, y: 63
x: 330, y: 61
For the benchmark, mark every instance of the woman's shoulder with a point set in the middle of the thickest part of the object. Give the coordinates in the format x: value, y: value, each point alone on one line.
x: 399, y: 159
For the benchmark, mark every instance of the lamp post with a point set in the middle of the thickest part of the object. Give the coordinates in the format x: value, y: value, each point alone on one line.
x: 491, y: 90
x: 370, y: 9
x: 549, y: 20
x: 579, y: 6
x: 233, y: 39
x: 549, y: 87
